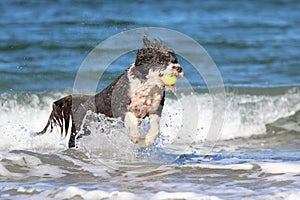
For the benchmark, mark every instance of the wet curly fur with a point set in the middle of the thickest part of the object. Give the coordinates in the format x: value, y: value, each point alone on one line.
x: 137, y: 93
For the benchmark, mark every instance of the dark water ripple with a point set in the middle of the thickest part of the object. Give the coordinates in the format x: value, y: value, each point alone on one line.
x: 253, y: 43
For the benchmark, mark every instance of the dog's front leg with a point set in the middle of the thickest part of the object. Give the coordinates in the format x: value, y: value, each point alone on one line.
x: 153, y: 131
x: 132, y: 123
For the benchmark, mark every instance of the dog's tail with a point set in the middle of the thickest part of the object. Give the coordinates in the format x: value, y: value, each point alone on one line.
x: 60, y: 115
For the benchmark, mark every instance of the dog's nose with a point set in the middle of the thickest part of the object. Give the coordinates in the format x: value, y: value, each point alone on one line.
x: 177, y: 68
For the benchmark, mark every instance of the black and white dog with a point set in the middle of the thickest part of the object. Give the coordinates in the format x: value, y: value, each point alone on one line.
x: 137, y: 93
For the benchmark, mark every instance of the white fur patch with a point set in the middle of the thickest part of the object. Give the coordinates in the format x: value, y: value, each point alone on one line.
x: 131, y: 123
x: 153, y: 131
x: 145, y: 99
x: 134, y: 83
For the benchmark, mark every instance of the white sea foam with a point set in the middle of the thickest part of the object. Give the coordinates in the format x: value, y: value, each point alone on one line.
x: 75, y: 192
x: 182, y: 195
x: 244, y: 166
x: 24, y: 115
x: 6, y: 173
x: 157, y: 179
x: 290, y: 195
x: 31, y: 165
x: 281, y: 167
x: 246, y: 115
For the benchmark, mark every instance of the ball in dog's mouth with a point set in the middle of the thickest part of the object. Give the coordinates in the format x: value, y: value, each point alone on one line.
x: 169, y: 79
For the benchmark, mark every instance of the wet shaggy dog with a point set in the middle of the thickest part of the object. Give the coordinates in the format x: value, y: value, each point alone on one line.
x: 137, y: 93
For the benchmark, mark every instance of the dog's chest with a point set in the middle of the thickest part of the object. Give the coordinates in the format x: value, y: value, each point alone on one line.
x: 145, y: 100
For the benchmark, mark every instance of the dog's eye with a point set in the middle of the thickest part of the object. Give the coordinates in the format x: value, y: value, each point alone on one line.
x: 163, y: 62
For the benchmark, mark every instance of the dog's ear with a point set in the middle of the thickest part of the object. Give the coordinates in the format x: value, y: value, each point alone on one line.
x: 147, y: 42
x: 156, y: 45
x: 156, y: 52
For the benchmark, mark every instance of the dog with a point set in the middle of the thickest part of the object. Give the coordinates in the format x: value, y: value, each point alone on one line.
x: 137, y: 93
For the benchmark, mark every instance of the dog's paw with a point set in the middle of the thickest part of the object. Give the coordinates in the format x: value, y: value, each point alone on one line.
x: 134, y: 134
x: 134, y: 139
x: 131, y: 122
x: 144, y: 142
x: 148, y: 142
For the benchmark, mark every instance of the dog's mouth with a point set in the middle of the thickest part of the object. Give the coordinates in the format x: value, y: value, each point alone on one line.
x: 175, y: 73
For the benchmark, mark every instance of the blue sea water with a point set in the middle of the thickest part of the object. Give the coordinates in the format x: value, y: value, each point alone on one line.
x: 255, y: 45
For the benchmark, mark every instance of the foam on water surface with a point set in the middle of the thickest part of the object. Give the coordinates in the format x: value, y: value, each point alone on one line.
x: 246, y: 115
x: 281, y: 167
x: 107, y: 165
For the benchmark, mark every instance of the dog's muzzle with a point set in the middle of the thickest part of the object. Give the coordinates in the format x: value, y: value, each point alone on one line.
x: 178, y: 70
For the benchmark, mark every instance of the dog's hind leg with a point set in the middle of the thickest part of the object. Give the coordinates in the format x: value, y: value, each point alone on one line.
x: 81, y: 104
x: 72, y: 140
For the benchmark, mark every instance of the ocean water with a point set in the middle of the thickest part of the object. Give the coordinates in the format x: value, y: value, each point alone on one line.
x: 255, y: 46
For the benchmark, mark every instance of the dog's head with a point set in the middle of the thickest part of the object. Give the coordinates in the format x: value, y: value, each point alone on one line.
x: 154, y: 61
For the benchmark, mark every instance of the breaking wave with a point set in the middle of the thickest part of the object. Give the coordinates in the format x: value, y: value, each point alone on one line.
x: 248, y: 114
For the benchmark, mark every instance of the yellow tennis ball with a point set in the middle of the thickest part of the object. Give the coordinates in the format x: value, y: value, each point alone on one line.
x: 169, y: 79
